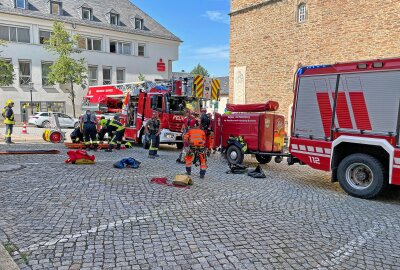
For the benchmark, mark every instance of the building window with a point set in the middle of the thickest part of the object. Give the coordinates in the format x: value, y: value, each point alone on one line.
x: 142, y: 49
x: 114, y: 19
x: 120, y: 47
x: 106, y: 75
x: 45, y: 73
x: 17, y: 34
x: 120, y: 75
x: 24, y: 73
x: 20, y: 4
x: 87, y: 14
x: 92, y: 75
x: 90, y: 44
x: 138, y: 23
x: 55, y: 8
x: 302, y: 13
x: 44, y: 36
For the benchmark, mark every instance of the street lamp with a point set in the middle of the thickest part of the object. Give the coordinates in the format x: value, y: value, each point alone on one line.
x: 31, y: 89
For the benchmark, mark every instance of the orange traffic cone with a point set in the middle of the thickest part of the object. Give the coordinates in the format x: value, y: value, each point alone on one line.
x: 24, y: 131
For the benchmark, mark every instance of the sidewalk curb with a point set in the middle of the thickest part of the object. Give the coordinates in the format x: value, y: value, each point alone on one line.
x: 6, y: 262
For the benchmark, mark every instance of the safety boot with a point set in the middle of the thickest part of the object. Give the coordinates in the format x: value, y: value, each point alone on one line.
x: 188, y: 170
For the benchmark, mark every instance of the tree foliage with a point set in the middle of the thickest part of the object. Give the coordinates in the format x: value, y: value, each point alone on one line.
x: 141, y: 77
x: 6, y: 70
x: 200, y: 70
x: 66, y: 69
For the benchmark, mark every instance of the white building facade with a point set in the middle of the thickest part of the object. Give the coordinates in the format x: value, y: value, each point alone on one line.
x: 119, y: 42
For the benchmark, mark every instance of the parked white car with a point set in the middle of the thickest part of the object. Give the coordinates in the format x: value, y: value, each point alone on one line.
x: 42, y: 119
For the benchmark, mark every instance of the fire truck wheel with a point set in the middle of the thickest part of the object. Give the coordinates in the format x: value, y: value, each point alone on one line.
x: 179, y: 145
x: 263, y: 159
x: 234, y: 155
x: 362, y: 176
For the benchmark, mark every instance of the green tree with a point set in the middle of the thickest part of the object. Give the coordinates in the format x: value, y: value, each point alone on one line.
x: 141, y: 77
x: 200, y: 70
x: 6, y: 70
x: 66, y: 69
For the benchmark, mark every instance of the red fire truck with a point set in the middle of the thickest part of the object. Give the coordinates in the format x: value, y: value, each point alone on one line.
x: 345, y: 119
x: 136, y: 102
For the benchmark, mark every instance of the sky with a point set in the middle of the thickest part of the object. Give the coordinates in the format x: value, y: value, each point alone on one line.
x: 202, y: 25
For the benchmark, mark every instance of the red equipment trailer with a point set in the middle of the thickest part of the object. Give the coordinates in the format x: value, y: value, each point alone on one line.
x: 261, y: 128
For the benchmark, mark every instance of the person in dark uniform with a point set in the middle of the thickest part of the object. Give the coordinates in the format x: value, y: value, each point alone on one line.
x: 9, y: 121
x: 89, y: 123
x: 152, y: 129
x: 104, y: 123
x: 118, y: 129
x: 77, y: 135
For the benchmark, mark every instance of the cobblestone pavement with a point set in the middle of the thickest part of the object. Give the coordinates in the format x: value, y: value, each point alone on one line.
x: 59, y: 216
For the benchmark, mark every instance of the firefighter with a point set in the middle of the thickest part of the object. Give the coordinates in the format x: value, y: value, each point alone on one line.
x: 8, y: 115
x: 104, y: 123
x: 204, y: 121
x: 77, y: 135
x: 196, y: 139
x: 152, y: 129
x: 89, y: 123
x: 189, y: 122
x: 118, y: 129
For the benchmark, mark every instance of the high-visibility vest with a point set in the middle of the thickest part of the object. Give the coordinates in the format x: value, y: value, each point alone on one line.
x: 196, y: 137
x: 8, y: 120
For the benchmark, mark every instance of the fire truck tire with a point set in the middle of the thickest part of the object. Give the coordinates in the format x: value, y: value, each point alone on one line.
x: 179, y: 145
x: 234, y: 155
x: 362, y: 176
x: 263, y: 159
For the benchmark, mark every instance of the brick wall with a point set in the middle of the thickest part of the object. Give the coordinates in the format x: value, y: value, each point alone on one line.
x: 270, y: 42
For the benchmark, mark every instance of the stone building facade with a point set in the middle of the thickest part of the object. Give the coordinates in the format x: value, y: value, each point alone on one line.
x: 271, y: 38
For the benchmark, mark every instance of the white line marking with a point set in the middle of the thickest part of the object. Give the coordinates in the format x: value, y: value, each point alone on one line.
x: 348, y: 250
x: 311, y: 154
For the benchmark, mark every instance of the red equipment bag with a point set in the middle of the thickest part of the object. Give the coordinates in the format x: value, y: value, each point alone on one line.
x: 80, y: 157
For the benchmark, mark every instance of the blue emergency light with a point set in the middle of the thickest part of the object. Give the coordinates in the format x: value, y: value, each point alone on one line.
x: 303, y: 69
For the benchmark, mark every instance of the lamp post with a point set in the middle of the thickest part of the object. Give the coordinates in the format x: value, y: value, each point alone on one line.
x: 31, y: 89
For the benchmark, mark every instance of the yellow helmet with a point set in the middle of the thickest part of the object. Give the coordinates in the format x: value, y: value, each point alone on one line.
x: 9, y: 101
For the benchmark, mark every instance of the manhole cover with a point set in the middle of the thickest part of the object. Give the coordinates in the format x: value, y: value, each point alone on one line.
x: 9, y: 168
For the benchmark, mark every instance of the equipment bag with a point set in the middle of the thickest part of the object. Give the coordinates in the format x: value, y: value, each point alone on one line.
x: 182, y: 180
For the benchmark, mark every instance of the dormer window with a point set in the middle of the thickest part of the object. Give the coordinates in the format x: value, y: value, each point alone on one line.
x: 139, y: 23
x: 22, y: 4
x: 55, y: 7
x: 87, y: 14
x: 114, y: 18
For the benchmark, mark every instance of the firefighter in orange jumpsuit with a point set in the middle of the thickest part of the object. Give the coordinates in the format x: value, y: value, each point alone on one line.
x: 196, y: 139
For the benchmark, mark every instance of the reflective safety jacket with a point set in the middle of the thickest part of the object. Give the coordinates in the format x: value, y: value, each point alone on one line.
x: 195, y: 137
x: 8, y: 115
x: 115, y: 125
x: 104, y: 122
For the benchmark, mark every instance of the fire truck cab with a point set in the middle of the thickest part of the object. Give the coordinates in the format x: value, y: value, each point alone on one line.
x: 346, y: 119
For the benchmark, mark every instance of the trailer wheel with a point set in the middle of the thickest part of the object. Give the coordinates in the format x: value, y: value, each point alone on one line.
x: 263, y: 159
x: 234, y: 155
x: 179, y: 145
x: 362, y: 176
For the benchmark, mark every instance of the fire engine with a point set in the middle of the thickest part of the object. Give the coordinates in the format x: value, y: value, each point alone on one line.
x: 346, y: 120
x: 135, y: 102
